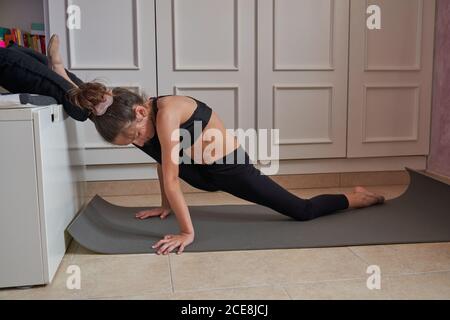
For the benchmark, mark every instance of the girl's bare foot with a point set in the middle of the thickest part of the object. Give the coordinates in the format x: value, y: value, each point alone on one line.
x: 361, y: 199
x: 55, y: 59
x: 364, y: 190
x: 53, y: 52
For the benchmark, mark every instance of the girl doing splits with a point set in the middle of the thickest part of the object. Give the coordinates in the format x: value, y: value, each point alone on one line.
x: 122, y: 117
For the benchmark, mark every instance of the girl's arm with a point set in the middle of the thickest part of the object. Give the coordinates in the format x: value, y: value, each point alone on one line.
x: 165, y: 208
x: 164, y: 201
x: 168, y: 119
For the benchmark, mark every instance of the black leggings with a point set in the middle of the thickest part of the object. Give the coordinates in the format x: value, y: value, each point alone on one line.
x: 245, y: 181
x: 41, y: 58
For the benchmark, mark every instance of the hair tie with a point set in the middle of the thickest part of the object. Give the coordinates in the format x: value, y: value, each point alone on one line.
x: 101, y: 108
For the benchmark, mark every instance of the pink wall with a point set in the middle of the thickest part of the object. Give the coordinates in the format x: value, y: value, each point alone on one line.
x: 439, y: 158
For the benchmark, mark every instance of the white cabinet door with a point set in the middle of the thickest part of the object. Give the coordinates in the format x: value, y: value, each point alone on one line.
x: 206, y: 49
x: 116, y: 45
x: 391, y: 79
x: 59, y: 172
x: 20, y: 235
x: 41, y: 166
x: 302, y: 75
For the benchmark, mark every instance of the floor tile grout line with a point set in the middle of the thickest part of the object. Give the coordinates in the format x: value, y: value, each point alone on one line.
x: 227, y: 288
x: 322, y: 281
x: 171, y: 275
x: 265, y: 285
x: 130, y: 297
x: 416, y: 273
x: 285, y: 290
x: 74, y: 251
x: 286, y: 284
x: 391, y: 275
x: 403, y: 266
x: 358, y: 256
x: 282, y: 285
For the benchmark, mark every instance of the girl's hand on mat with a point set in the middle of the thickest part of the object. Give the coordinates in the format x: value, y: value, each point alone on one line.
x: 161, y: 211
x: 173, y: 241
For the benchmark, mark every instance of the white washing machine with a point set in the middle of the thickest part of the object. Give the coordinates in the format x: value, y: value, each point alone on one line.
x: 41, y: 191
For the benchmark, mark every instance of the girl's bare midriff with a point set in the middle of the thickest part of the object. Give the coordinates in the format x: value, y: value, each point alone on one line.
x: 227, y: 143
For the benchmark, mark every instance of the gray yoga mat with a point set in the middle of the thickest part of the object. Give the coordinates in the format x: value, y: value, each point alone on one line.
x: 420, y: 214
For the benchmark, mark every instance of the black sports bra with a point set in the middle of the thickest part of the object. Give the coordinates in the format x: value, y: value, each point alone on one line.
x: 202, y: 113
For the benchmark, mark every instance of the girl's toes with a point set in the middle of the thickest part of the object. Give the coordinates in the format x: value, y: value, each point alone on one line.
x: 379, y: 198
x: 53, y: 51
x: 373, y: 194
x: 371, y: 200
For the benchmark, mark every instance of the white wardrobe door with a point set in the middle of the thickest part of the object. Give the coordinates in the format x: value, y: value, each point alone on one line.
x: 391, y: 79
x: 206, y: 49
x: 116, y: 45
x: 302, y: 75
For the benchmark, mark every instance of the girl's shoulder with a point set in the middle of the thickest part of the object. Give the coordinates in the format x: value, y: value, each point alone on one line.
x: 173, y: 103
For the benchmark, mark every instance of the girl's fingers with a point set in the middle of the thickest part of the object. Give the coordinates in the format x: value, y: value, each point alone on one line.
x: 148, y: 213
x: 164, y: 247
x: 164, y: 215
x: 172, y: 247
x: 169, y: 244
x: 140, y: 214
x: 160, y: 242
x: 165, y: 239
x: 168, y: 247
x: 181, y: 249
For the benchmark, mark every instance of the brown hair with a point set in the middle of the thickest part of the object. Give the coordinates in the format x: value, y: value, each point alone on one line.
x: 117, y: 117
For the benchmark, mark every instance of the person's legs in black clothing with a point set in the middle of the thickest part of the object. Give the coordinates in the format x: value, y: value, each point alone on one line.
x: 30, y: 52
x: 191, y: 174
x: 247, y: 182
x: 39, y: 57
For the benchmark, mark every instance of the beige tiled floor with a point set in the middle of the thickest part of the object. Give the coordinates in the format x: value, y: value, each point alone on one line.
x: 409, y: 271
